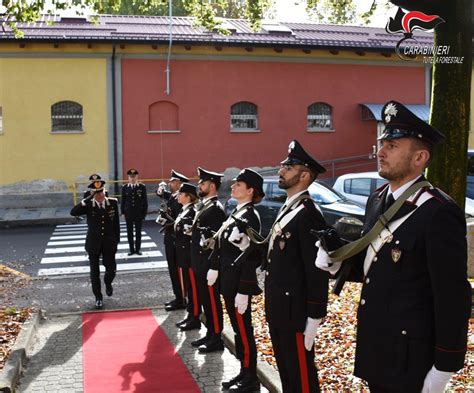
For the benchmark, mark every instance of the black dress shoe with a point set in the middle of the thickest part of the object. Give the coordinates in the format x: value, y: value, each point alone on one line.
x: 200, y: 341
x: 131, y: 253
x: 170, y: 302
x: 109, y: 290
x: 99, y: 304
x: 138, y: 252
x: 182, y: 322
x: 214, y: 344
x: 193, y: 324
x: 248, y: 384
x: 233, y: 381
x: 175, y: 306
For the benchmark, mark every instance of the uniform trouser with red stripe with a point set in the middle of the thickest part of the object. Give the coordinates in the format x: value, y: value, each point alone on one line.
x: 189, y: 281
x: 296, y: 366
x: 244, y: 338
x: 211, y: 303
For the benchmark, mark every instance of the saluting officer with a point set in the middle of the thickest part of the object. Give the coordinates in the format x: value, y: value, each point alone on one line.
x: 187, y: 197
x: 93, y: 178
x: 238, y: 278
x: 173, y: 207
x: 415, y: 302
x: 103, y: 236
x: 296, y: 292
x: 134, y: 207
x: 209, y: 218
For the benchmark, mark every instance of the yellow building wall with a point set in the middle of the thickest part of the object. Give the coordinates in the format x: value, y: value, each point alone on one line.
x: 28, y: 148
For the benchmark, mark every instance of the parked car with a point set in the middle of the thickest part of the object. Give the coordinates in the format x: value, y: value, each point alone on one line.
x: 334, y: 206
x: 357, y: 187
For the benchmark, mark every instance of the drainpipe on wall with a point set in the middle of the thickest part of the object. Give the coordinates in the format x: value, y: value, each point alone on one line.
x: 170, y: 43
x: 114, y: 121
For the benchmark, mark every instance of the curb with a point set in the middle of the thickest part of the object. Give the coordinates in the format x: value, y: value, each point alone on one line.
x: 268, y: 376
x: 39, y: 221
x: 10, y: 374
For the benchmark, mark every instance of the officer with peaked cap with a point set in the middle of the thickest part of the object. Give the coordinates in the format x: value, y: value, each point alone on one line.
x: 415, y: 301
x: 296, y: 292
x: 209, y: 217
x: 134, y: 208
x: 238, y: 277
x: 103, y: 236
x: 187, y: 197
x: 92, y: 178
x: 173, y: 207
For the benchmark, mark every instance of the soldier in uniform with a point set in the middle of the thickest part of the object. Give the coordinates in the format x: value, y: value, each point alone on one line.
x: 296, y: 292
x: 238, y: 277
x: 134, y: 207
x: 173, y: 207
x: 187, y: 197
x: 415, y: 302
x: 209, y: 218
x: 103, y: 236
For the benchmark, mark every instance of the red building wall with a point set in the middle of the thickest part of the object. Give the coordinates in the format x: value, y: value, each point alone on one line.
x: 205, y: 90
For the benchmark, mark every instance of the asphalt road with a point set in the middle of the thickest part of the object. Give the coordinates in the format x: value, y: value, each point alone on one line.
x: 25, y: 248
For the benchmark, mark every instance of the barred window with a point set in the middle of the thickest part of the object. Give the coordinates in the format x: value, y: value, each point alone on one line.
x: 319, y: 117
x: 66, y: 116
x: 243, y: 116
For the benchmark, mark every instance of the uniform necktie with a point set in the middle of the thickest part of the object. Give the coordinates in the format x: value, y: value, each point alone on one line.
x: 389, y: 202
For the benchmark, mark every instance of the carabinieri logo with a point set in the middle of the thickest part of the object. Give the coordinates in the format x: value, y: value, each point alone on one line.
x: 407, y: 23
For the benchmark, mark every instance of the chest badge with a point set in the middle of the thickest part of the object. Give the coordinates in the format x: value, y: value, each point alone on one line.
x: 282, y: 244
x: 396, y: 254
x: 288, y: 235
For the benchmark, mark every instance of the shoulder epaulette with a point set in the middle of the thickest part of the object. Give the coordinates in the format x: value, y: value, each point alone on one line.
x: 112, y: 199
x: 440, y: 195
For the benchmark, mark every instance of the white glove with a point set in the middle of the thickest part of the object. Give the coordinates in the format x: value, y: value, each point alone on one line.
x: 212, y: 277
x: 239, y: 239
x: 310, y: 330
x: 187, y: 229
x: 161, y: 188
x: 436, y: 381
x: 160, y: 220
x: 83, y: 202
x: 325, y: 263
x: 208, y: 243
x: 241, y: 303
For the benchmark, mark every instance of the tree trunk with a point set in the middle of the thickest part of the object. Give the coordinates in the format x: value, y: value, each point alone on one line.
x: 450, y: 105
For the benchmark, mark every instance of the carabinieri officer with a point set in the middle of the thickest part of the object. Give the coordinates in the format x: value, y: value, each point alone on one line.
x: 103, y: 236
x: 238, y: 279
x: 134, y: 207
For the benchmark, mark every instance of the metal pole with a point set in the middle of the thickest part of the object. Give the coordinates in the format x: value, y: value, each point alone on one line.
x: 170, y: 43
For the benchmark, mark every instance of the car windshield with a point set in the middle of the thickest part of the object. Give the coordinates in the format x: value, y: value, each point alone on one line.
x: 324, y: 195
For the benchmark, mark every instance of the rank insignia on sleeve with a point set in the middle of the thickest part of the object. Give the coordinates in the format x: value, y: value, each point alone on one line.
x: 396, y: 254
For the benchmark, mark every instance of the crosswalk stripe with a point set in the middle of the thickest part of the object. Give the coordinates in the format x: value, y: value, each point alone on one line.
x: 77, y: 226
x: 85, y: 269
x: 84, y: 257
x: 82, y: 241
x: 67, y: 250
x: 82, y: 235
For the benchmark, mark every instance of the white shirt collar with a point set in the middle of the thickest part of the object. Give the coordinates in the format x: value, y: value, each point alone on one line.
x: 204, y: 200
x: 289, y: 200
x: 402, y: 189
x: 241, y: 205
x: 186, y: 206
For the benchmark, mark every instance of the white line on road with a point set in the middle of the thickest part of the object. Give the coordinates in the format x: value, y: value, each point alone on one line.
x: 82, y: 241
x: 66, y: 250
x: 85, y: 269
x: 84, y: 257
x: 82, y: 235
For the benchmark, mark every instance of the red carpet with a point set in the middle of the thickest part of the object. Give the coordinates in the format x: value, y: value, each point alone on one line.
x: 128, y: 352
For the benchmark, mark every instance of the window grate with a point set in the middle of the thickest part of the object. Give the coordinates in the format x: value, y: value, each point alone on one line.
x: 243, y: 116
x: 66, y: 116
x: 319, y: 117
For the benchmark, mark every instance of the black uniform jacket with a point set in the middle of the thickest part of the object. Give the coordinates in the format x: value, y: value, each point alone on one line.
x: 211, y: 215
x: 183, y: 241
x: 415, y: 299
x: 103, y: 225
x: 294, y: 287
x: 134, y: 201
x: 238, y: 277
x: 173, y: 208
